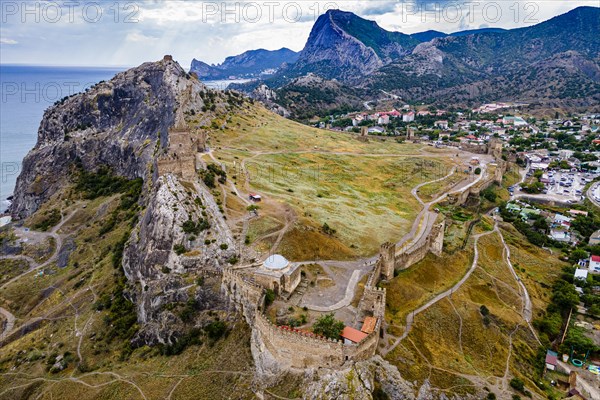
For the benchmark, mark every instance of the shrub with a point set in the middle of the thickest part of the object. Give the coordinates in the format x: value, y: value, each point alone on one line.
x: 517, y: 384
x: 269, y: 297
x: 179, y: 249
x: 328, y: 230
x: 215, y: 330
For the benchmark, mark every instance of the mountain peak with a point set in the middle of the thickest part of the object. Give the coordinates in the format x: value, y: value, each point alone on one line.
x: 344, y: 45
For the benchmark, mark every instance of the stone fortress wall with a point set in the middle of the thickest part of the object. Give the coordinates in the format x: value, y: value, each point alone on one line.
x: 295, y: 348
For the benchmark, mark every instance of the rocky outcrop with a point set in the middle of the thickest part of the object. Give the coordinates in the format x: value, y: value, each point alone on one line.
x: 156, y: 270
x: 358, y: 381
x: 131, y: 124
x: 114, y: 123
x: 268, y: 97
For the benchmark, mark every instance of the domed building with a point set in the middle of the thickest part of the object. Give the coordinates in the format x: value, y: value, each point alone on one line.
x: 278, y: 274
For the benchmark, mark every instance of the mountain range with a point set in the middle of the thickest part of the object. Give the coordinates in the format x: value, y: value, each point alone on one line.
x: 250, y: 64
x: 555, y: 63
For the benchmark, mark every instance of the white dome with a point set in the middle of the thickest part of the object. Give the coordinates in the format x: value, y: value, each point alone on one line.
x: 276, y: 262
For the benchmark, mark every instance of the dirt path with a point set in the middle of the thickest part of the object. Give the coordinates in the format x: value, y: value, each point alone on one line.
x: 34, y: 266
x: 10, y: 322
x: 527, y: 310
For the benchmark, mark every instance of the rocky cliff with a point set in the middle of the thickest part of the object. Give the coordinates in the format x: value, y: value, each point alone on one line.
x: 114, y: 123
x: 140, y: 125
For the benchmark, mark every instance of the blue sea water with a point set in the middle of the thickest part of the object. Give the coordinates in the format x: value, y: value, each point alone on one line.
x: 25, y: 92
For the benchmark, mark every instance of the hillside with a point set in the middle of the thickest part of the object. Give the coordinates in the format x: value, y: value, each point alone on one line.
x: 521, y: 63
x: 113, y: 273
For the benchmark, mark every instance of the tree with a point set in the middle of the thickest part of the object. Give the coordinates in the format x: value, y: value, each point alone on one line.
x: 565, y: 296
x: 477, y: 171
x: 328, y: 326
x: 577, y: 255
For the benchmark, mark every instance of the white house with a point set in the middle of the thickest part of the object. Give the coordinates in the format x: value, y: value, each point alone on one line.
x: 442, y: 124
x: 409, y: 117
x: 383, y: 119
x: 581, y: 274
x: 594, y: 266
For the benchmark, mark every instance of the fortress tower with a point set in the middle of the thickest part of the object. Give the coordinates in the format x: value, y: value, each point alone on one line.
x: 388, y: 260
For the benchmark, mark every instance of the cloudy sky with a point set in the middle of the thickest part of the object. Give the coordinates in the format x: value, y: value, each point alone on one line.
x: 127, y: 33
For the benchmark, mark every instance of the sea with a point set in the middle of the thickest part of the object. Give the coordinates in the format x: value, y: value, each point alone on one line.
x: 25, y: 93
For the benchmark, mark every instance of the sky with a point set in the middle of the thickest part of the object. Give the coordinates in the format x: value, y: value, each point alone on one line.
x: 128, y: 33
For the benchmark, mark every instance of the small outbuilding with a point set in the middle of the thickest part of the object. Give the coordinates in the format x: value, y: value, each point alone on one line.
x: 551, y: 360
x: 352, y: 336
x: 255, y: 197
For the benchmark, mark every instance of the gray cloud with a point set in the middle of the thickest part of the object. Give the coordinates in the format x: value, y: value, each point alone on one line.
x: 135, y: 32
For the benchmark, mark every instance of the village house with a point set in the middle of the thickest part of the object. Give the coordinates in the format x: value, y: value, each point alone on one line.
x: 551, y: 360
x: 442, y: 124
x: 383, y: 119
x: 595, y: 238
x: 408, y: 117
x: 594, y: 266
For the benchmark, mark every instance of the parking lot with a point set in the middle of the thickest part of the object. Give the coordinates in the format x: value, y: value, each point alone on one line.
x: 567, y: 184
x: 562, y: 186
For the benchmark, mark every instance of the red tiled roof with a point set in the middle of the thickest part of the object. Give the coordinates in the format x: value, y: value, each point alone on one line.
x: 551, y: 359
x: 369, y: 324
x: 354, y: 335
x: 596, y: 258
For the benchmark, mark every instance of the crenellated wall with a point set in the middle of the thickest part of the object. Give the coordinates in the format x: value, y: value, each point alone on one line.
x: 298, y: 349
x: 302, y: 349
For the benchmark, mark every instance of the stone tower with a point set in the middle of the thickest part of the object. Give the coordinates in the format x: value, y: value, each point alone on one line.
x: 388, y: 260
x: 437, y: 239
x: 495, y: 148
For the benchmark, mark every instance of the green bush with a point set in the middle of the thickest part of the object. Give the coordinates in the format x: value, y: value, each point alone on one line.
x: 216, y: 329
x: 269, y: 297
x: 328, y: 326
x: 179, y: 249
x: 517, y: 384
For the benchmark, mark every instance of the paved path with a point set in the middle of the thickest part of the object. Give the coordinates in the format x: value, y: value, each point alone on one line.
x: 590, y: 194
x: 348, y: 296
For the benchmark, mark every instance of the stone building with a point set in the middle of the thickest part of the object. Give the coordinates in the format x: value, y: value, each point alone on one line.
x: 279, y: 275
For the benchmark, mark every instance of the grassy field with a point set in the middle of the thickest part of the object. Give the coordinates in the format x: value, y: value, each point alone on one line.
x: 361, y: 190
x: 537, y: 268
